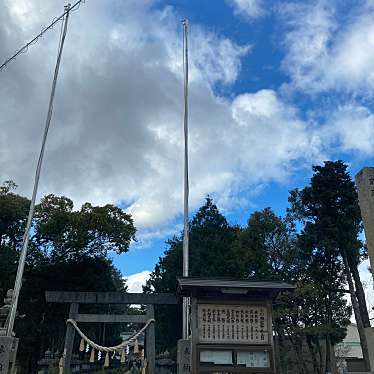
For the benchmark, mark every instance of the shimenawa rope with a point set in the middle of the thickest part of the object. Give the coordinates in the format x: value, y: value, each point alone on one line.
x: 116, y: 348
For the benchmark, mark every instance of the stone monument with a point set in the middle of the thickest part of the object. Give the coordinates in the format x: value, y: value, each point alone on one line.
x: 8, y: 345
x: 365, y: 189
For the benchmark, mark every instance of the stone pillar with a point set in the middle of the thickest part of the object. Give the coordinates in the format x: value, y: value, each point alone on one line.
x: 8, y: 353
x: 150, y: 345
x: 365, y: 188
x: 69, y: 340
x: 184, y: 363
x: 4, y: 312
x: 369, y: 332
x: 8, y: 345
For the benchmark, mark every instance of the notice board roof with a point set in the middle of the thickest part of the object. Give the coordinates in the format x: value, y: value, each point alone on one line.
x: 190, y: 285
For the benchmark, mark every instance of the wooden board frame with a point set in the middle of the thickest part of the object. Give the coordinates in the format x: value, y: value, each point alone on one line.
x: 204, y: 369
x: 196, y: 345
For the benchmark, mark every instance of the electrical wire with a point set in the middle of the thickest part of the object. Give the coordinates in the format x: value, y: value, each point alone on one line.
x: 25, y: 48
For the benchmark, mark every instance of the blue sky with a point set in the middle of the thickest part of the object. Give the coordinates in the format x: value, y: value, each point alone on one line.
x: 261, y: 69
x: 275, y: 87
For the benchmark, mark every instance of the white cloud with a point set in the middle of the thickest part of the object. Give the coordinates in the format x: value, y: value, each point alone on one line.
x: 351, y: 128
x: 310, y: 28
x: 135, y: 281
x: 146, y: 236
x: 215, y: 59
x: 325, y: 54
x: 248, y: 8
x: 116, y: 134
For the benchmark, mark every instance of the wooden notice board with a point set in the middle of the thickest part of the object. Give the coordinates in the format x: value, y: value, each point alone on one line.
x: 233, y: 324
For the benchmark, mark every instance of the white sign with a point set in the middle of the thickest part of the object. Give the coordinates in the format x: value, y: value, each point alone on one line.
x: 230, y: 324
x: 253, y: 359
x: 216, y: 357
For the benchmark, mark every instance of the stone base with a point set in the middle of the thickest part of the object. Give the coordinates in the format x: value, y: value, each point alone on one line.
x: 369, y: 332
x: 184, y: 353
x: 8, y: 353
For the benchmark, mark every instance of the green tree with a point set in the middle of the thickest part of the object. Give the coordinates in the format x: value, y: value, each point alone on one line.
x: 13, y: 215
x: 267, y: 247
x: 329, y: 210
x: 212, y: 254
x: 62, y: 233
x: 300, y: 320
x: 68, y: 251
x: 273, y: 252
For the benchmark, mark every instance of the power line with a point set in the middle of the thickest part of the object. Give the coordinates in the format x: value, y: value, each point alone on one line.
x: 37, y: 37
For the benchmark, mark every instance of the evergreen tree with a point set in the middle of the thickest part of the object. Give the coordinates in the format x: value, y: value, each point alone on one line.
x: 212, y: 254
x: 329, y: 210
x: 267, y: 247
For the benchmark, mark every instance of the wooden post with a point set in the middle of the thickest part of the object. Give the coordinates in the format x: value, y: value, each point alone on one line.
x: 69, y: 339
x: 150, y: 343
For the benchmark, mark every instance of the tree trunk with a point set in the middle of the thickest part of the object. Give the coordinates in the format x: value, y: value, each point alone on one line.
x: 299, y: 341
x: 330, y: 352
x: 356, y: 309
x: 334, y: 367
x: 299, y: 355
x: 360, y: 293
x: 278, y: 360
x: 330, y: 357
x: 322, y: 367
x: 312, y: 351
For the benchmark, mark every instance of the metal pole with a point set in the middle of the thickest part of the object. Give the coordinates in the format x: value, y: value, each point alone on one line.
x: 186, y: 184
x: 22, y: 260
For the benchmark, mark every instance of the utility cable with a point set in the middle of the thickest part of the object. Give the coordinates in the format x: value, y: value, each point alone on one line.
x: 37, y: 37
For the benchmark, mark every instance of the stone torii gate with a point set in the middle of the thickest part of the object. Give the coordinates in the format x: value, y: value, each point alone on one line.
x: 76, y: 298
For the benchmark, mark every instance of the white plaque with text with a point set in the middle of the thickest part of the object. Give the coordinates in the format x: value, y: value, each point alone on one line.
x: 230, y: 324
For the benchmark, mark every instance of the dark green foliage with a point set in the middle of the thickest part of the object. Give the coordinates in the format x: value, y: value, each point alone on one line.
x: 329, y: 211
x: 212, y: 253
x: 67, y: 251
x: 14, y: 209
x: 13, y: 214
x: 64, y: 233
x: 268, y: 247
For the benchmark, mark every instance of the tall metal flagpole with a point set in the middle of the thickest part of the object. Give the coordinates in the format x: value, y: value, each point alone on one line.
x: 186, y: 300
x: 22, y: 260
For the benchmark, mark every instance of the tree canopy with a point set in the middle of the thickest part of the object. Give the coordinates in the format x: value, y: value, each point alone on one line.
x: 315, y: 245
x: 68, y: 251
x: 305, y: 247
